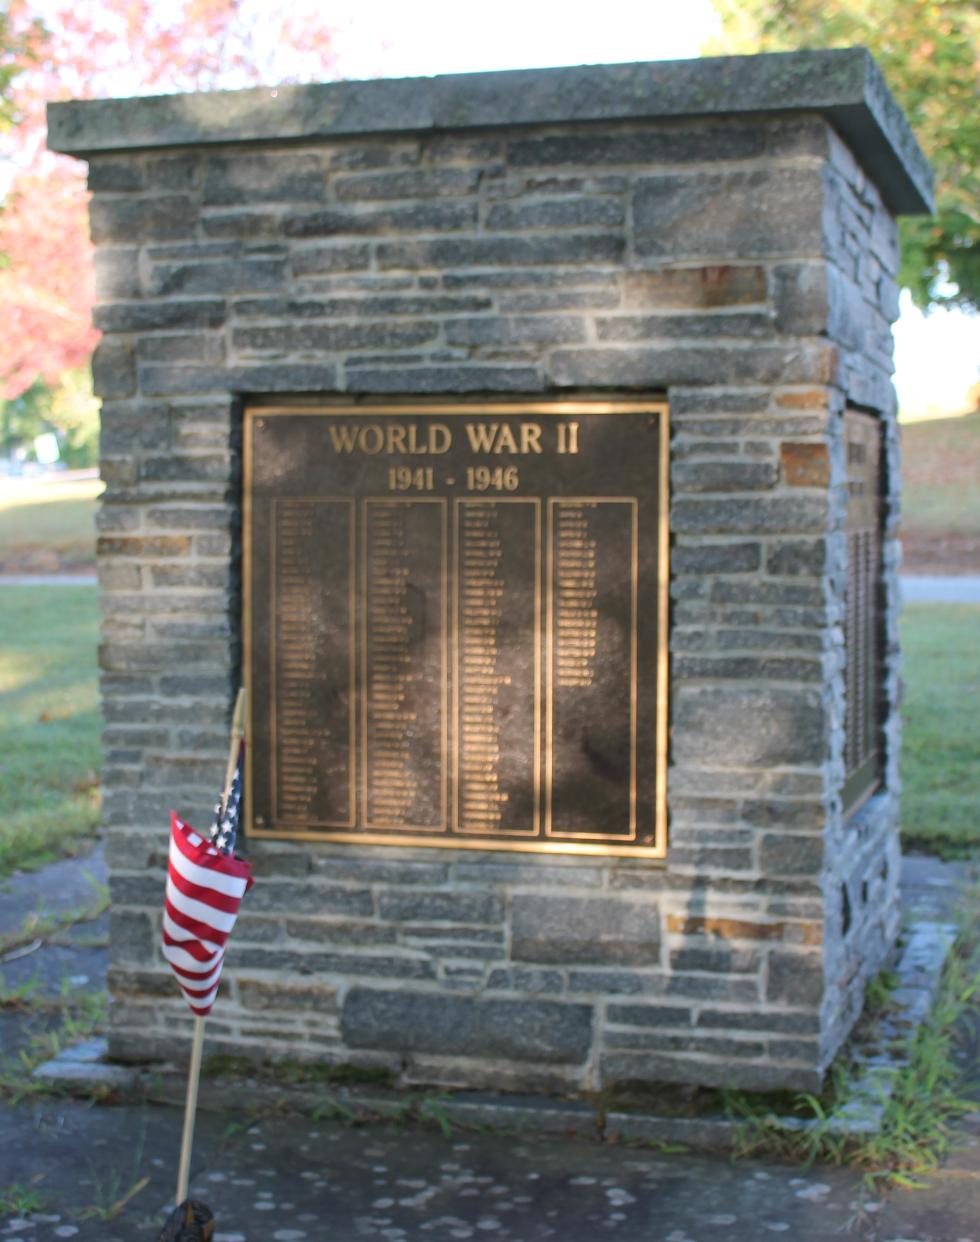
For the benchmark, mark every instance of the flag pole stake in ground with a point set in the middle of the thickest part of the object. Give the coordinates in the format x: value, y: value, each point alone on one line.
x: 205, y: 885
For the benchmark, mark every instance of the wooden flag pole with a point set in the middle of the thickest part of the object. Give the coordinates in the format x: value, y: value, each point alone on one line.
x: 190, y: 1110
x: 197, y: 1046
x: 237, y: 733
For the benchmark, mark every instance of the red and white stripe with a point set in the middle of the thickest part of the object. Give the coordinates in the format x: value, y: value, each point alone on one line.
x: 204, y: 890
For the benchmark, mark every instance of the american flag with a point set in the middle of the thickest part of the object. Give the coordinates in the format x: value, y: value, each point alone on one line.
x: 205, y: 886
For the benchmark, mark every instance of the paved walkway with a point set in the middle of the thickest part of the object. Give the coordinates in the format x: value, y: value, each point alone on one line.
x: 941, y: 590
x: 106, y: 1174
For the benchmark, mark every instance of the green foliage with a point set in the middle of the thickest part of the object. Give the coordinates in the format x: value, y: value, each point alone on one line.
x: 24, y: 418
x: 18, y: 50
x: 20, y: 1200
x: 296, y: 1073
x: 69, y: 409
x: 49, y: 722
x: 930, y: 1094
x: 79, y: 1015
x: 940, y: 775
x: 928, y: 51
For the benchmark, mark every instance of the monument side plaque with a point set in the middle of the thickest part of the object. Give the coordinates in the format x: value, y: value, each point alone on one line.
x: 862, y: 612
x: 455, y: 624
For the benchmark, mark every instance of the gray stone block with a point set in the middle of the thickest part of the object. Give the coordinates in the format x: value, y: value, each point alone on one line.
x: 580, y: 930
x: 114, y: 369
x: 444, y: 379
x: 653, y: 146
x: 282, y: 996
x: 684, y: 288
x: 534, y: 278
x: 561, y: 213
x: 173, y: 173
x: 309, y: 898
x: 688, y: 403
x: 801, y: 298
x: 241, y: 224
x: 382, y: 870
x: 333, y: 337
x: 748, y: 726
x: 151, y: 316
x: 123, y: 221
x: 802, y: 1022
x: 526, y: 980
x: 795, y: 978
x: 237, y: 276
x: 285, y: 377
x: 783, y: 813
x: 337, y: 258
x: 114, y: 175
x: 716, y: 558
x: 773, y: 514
x: 415, y: 905
x: 292, y: 309
x: 732, y: 1050
x: 673, y: 326
x: 723, y: 476
x: 256, y: 177
x: 797, y: 558
x: 746, y: 668
x: 131, y: 937
x: 515, y: 330
x: 786, y: 854
x: 117, y: 273
x: 650, y: 1015
x: 557, y: 300
x: 511, y: 251
x: 338, y: 934
x: 407, y: 183
x: 658, y: 366
x: 519, y: 1030
x: 182, y: 347
x: 417, y: 218
x: 716, y: 959
x: 649, y: 1067
x: 745, y: 214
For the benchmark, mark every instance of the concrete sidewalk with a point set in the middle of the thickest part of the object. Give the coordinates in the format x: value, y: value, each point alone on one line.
x: 289, y: 1178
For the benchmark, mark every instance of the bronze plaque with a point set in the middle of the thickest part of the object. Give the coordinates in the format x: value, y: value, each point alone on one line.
x: 455, y: 624
x: 862, y: 614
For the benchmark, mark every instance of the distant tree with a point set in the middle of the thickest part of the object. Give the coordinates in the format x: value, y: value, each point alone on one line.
x: 929, y: 51
x: 92, y: 48
x: 19, y: 40
x: 46, y: 281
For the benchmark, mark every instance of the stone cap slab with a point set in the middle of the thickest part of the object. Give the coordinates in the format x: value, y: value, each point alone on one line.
x: 844, y: 85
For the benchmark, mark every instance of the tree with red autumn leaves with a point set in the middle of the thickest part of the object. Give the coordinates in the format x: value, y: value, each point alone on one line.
x: 76, y: 49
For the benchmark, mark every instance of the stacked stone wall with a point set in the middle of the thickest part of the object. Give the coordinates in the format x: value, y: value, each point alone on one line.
x: 745, y: 268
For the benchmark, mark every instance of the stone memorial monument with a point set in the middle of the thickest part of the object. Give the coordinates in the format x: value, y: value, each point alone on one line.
x: 525, y: 443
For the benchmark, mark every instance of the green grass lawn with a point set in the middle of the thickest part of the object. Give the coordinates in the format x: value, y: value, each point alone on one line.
x: 941, y: 737
x: 47, y: 523
x: 941, y: 475
x: 49, y: 722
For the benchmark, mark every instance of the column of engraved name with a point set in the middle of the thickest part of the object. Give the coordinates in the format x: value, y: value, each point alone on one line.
x: 591, y: 724
x: 313, y: 541
x: 498, y: 665
x: 404, y: 664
